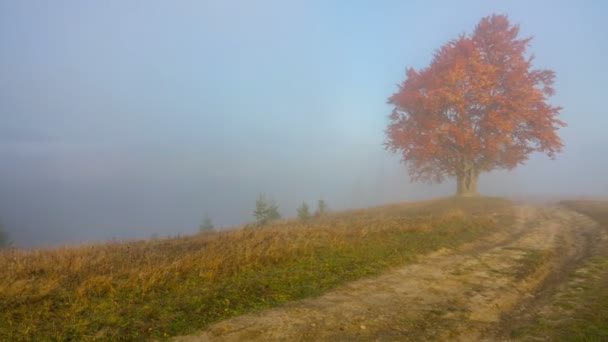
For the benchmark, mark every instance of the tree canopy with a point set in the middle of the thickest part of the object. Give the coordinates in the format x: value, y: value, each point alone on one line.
x: 477, y: 107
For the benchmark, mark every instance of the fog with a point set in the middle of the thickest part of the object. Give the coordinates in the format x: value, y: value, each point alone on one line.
x: 124, y: 119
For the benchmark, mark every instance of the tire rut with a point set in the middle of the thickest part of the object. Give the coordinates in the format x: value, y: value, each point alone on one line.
x: 589, y: 240
x: 462, y: 294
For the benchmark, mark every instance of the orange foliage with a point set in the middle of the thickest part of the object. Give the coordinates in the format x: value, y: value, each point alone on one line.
x: 478, y: 106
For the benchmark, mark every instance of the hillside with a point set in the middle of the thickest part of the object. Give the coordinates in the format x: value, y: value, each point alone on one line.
x: 544, y: 278
x: 156, y: 289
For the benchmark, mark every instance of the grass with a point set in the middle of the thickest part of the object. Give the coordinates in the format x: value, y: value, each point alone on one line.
x: 597, y: 210
x: 161, y: 288
x: 580, y: 308
x: 530, y: 262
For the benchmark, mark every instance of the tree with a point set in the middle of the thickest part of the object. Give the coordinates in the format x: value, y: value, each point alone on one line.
x: 304, y: 212
x: 266, y: 210
x: 321, y: 208
x: 4, y: 238
x: 207, y: 225
x: 477, y: 107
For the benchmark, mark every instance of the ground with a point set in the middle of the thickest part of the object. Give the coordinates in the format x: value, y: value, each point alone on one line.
x: 491, y: 289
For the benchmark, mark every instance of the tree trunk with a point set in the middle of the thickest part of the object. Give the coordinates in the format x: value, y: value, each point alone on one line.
x: 467, y: 181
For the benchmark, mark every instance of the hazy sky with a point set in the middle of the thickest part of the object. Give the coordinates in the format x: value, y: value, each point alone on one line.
x: 128, y: 118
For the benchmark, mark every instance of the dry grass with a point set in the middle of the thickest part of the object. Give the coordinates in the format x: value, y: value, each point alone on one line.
x: 596, y: 209
x: 578, y: 310
x: 160, y: 288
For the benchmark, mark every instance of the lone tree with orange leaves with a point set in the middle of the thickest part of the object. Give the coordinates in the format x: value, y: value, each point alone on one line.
x: 477, y: 107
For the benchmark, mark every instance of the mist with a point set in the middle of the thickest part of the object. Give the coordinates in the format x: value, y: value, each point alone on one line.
x: 123, y: 120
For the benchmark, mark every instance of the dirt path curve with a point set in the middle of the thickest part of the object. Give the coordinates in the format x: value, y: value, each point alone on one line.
x: 448, y: 295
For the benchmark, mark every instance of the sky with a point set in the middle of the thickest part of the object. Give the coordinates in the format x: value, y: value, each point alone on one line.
x: 127, y: 119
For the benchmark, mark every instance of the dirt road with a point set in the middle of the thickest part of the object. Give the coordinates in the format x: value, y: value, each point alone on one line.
x: 466, y: 294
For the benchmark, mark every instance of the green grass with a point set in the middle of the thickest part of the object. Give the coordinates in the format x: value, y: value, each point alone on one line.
x: 580, y: 308
x: 530, y: 262
x: 579, y: 311
x: 156, y: 289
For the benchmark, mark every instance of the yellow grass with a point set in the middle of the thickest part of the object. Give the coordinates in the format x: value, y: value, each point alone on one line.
x: 159, y: 288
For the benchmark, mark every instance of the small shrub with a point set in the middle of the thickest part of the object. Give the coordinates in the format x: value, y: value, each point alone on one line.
x: 206, y: 226
x: 4, y: 239
x: 304, y: 212
x: 321, y: 208
x: 266, y: 210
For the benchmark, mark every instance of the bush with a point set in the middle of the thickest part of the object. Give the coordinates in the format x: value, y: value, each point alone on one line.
x: 266, y: 210
x: 206, y: 226
x: 4, y: 239
x: 304, y: 212
x: 321, y: 208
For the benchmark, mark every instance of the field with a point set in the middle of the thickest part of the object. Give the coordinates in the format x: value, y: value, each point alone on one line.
x: 449, y: 269
x: 536, y: 276
x: 156, y: 289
